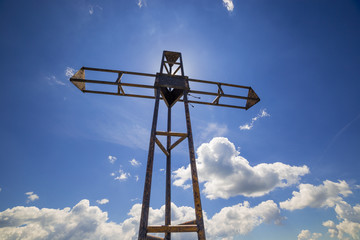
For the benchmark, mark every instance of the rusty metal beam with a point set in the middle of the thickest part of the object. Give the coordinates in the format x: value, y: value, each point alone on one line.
x: 177, y: 70
x: 168, y: 178
x: 217, y: 94
x: 172, y: 228
x: 118, y: 71
x: 161, y: 146
x: 194, y: 176
x: 174, y: 134
x: 221, y: 83
x: 188, y: 223
x: 149, y: 169
x: 150, y: 237
x: 177, y: 142
x: 112, y: 83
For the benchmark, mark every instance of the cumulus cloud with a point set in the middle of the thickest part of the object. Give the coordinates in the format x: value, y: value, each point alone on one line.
x: 307, y: 235
x: 241, y: 219
x: 349, y: 224
x: 227, y: 174
x: 69, y: 72
x: 31, y: 196
x: 141, y: 3
x: 112, y: 159
x: 324, y: 195
x: 121, y: 175
x: 89, y: 222
x: 135, y: 163
x: 229, y: 5
x: 81, y: 222
x: 249, y: 126
x: 102, y: 201
x: 136, y: 178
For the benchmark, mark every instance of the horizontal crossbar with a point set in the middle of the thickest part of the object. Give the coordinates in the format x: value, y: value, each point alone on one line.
x: 188, y: 223
x: 150, y: 237
x: 176, y: 134
x: 172, y: 228
x: 79, y: 81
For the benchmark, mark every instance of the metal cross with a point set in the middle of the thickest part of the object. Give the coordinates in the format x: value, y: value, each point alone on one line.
x: 171, y: 85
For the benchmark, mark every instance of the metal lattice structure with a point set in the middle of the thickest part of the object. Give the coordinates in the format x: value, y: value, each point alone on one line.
x: 172, y: 86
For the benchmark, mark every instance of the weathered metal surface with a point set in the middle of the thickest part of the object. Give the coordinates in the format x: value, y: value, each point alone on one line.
x: 194, y: 176
x: 252, y: 99
x: 188, y: 223
x: 150, y: 237
x: 174, y: 134
x: 168, y: 177
x: 171, y: 81
x: 177, y: 142
x: 161, y: 147
x: 171, y: 96
x: 173, y: 228
x: 79, y: 75
x: 171, y: 57
x: 149, y: 169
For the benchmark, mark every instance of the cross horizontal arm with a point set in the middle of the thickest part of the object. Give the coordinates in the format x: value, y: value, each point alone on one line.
x: 80, y: 82
x: 118, y: 71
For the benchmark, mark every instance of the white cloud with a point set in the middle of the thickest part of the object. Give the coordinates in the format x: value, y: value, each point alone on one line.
x: 241, y: 219
x: 102, y: 201
x: 324, y: 195
x: 227, y: 174
x: 229, y: 5
x: 89, y: 222
x: 81, y: 222
x: 112, y: 159
x: 249, y: 126
x: 307, y: 235
x: 136, y: 178
x: 69, y: 72
x: 53, y: 80
x: 350, y: 222
x: 31, y: 196
x: 91, y: 10
x: 135, y: 163
x: 122, y: 176
x: 141, y: 3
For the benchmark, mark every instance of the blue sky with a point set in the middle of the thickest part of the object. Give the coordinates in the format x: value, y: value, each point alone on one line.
x: 73, y: 165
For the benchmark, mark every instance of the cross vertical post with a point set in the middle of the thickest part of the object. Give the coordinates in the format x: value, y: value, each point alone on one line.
x: 149, y: 168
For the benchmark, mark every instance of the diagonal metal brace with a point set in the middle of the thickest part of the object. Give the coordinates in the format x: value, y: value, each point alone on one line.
x: 161, y: 147
x: 177, y: 142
